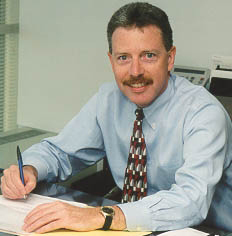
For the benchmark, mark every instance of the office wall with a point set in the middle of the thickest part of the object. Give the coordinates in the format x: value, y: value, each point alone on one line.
x: 63, y: 50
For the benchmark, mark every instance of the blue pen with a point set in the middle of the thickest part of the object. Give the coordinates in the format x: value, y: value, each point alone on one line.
x: 20, y: 163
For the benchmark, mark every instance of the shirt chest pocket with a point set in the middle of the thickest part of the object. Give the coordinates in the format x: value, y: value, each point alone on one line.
x: 161, y: 169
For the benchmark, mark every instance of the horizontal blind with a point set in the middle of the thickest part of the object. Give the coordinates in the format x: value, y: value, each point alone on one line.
x: 2, y: 56
x: 8, y: 64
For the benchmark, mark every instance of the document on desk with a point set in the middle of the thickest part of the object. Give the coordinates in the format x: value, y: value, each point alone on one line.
x: 13, y: 212
x: 184, y: 232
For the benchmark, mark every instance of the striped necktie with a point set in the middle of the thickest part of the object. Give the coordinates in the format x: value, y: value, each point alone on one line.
x: 135, y: 182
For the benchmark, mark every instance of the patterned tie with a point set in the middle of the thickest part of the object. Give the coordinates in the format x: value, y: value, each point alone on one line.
x: 135, y: 183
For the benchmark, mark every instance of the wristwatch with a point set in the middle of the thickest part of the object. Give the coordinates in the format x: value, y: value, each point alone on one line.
x: 108, y: 213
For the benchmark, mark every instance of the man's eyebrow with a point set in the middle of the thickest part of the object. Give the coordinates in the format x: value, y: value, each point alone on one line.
x: 152, y: 51
x: 142, y: 52
x: 120, y: 53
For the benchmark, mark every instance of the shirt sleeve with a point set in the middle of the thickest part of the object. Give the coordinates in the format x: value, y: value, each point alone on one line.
x: 78, y: 145
x: 188, y: 200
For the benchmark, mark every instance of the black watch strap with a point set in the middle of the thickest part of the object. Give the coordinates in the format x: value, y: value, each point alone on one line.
x: 108, y: 222
x: 108, y: 213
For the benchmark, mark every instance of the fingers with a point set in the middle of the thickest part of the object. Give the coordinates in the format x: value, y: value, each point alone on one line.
x: 11, y: 184
x: 30, y: 178
x: 40, y: 211
x: 49, y: 227
x: 44, y: 218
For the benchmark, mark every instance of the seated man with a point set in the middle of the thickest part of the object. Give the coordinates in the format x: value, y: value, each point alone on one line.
x: 178, y: 172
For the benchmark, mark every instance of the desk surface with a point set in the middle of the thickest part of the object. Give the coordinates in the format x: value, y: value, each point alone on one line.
x: 61, y: 192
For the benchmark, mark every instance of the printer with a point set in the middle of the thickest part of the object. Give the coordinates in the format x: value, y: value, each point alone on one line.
x: 221, y: 81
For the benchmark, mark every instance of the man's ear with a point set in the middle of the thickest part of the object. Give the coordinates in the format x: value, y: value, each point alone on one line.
x: 171, y: 58
x: 110, y: 57
x: 111, y: 60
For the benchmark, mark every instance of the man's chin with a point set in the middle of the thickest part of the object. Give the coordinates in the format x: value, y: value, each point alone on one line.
x: 141, y: 102
x: 138, y: 96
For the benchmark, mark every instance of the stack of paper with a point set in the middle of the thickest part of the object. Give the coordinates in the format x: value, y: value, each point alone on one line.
x: 13, y: 212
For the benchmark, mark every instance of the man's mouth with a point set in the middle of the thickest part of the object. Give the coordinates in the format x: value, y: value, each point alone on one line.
x: 138, y: 82
x: 137, y: 85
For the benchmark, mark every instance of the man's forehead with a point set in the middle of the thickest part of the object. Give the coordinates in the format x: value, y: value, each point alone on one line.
x: 142, y: 29
x: 124, y: 37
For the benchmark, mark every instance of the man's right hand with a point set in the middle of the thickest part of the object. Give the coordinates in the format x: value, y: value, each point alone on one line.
x: 11, y: 184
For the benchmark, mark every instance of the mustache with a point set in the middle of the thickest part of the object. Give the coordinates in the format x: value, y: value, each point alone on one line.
x: 137, y: 80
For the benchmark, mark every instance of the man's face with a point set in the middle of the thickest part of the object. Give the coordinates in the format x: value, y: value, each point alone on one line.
x: 141, y: 63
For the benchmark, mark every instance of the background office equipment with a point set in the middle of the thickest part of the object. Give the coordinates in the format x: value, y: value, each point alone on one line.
x: 196, y: 75
x: 63, y: 52
x: 221, y: 81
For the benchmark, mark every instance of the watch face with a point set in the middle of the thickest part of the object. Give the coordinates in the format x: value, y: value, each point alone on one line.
x: 108, y: 210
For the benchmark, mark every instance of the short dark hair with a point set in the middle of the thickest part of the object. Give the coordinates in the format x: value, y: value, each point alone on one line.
x: 140, y: 14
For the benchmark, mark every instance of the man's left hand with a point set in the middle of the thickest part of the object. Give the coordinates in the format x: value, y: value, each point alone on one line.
x: 51, y: 216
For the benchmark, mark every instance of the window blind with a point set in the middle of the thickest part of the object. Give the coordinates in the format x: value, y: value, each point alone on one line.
x: 8, y: 63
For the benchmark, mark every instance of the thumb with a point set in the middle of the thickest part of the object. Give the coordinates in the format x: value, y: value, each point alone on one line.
x: 30, y: 184
x: 30, y: 178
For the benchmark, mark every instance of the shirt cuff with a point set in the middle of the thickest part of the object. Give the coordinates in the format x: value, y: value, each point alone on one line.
x: 42, y: 168
x: 138, y: 217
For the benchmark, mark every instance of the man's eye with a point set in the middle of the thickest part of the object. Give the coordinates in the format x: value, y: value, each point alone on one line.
x: 122, y: 58
x: 150, y: 55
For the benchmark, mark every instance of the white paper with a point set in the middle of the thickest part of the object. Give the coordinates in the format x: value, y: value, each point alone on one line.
x: 184, y: 232
x: 13, y: 212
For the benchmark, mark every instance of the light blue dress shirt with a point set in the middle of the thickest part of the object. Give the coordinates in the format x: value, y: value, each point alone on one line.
x: 188, y: 136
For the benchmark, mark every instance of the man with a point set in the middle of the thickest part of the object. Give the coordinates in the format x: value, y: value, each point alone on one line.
x: 187, y: 132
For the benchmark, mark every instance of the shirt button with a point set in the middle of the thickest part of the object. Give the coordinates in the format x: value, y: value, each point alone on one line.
x: 153, y: 125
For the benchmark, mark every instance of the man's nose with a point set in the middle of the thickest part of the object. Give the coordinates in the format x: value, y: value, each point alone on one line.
x: 136, y: 68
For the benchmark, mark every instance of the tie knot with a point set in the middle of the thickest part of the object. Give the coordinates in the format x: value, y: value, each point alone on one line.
x: 139, y: 114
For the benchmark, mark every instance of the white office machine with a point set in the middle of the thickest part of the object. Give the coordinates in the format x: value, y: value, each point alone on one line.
x: 221, y: 68
x: 221, y: 81
x: 196, y: 75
